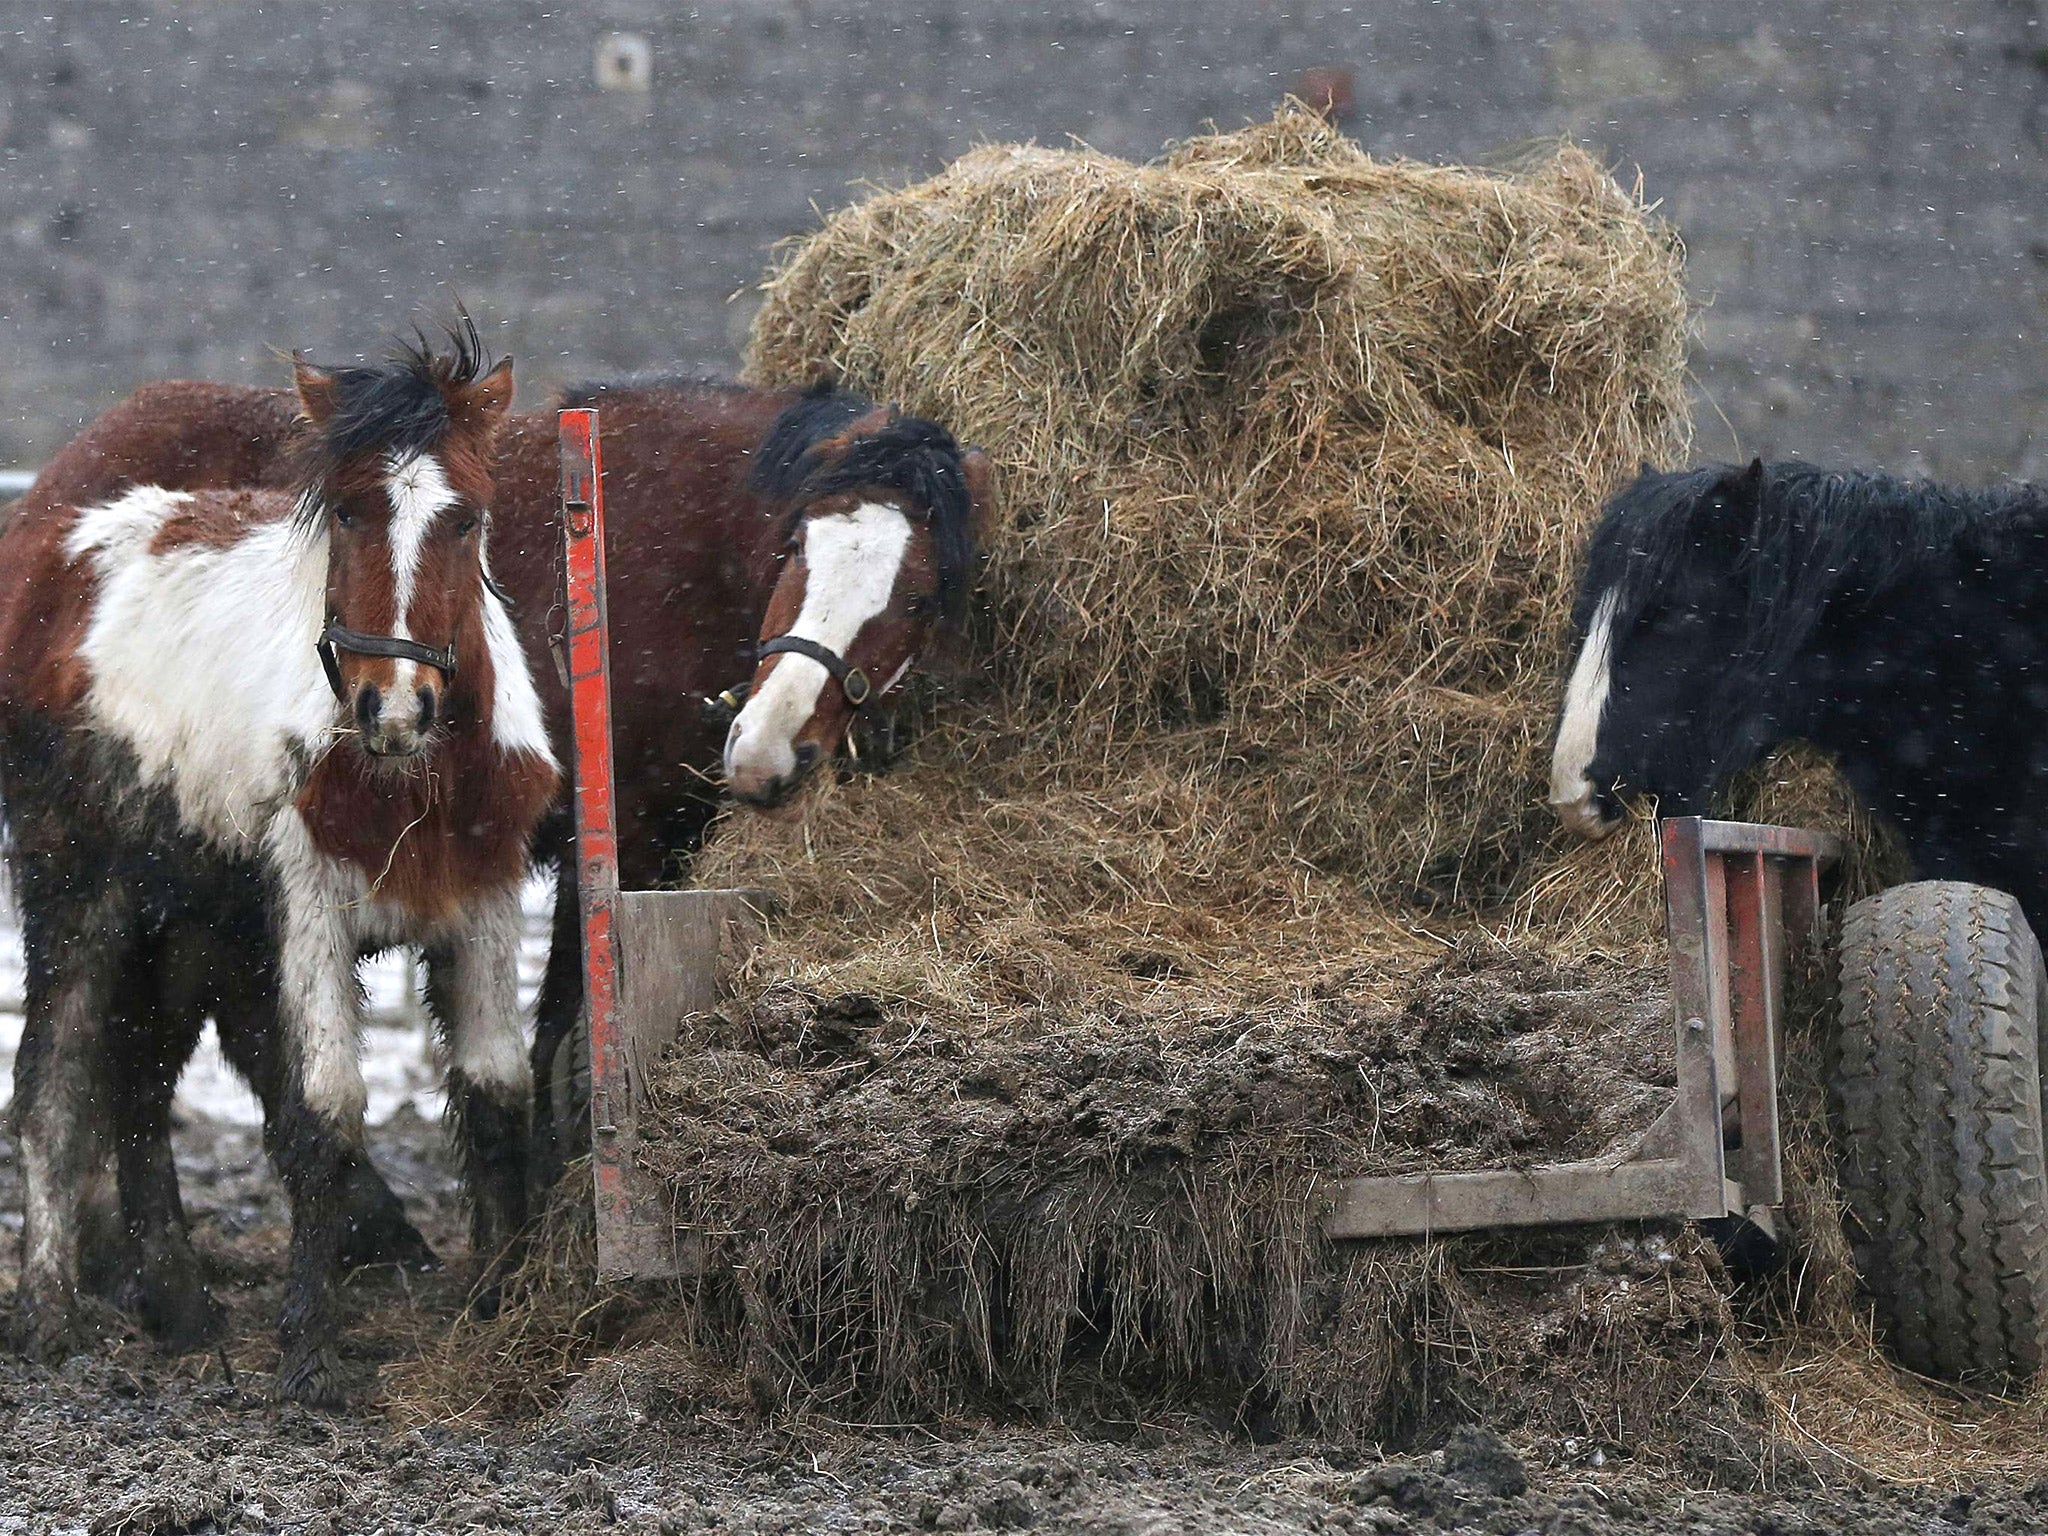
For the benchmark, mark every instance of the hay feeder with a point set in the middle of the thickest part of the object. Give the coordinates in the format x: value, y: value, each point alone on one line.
x: 1300, y: 439
x: 1738, y: 896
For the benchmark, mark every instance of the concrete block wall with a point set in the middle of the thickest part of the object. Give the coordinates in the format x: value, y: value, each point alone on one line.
x: 183, y: 187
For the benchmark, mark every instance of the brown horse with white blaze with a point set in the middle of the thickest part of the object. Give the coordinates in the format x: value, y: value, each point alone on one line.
x: 298, y: 723
x: 876, y: 543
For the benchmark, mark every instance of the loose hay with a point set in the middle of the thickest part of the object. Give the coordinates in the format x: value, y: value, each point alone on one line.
x: 1227, y: 875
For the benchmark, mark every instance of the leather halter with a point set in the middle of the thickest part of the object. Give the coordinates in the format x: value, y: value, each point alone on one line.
x: 335, y: 638
x: 853, y: 682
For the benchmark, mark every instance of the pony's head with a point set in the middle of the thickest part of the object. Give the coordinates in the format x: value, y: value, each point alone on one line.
x: 1676, y: 679
x: 876, y: 548
x: 397, y: 478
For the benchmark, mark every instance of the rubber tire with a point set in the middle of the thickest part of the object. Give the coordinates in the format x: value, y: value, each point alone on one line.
x: 1937, y: 1099
x: 571, y: 1079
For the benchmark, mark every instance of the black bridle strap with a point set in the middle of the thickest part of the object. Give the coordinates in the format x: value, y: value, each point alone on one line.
x: 337, y: 637
x: 852, y: 681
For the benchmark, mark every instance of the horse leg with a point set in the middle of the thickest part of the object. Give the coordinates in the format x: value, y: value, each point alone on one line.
x: 473, y: 991
x: 560, y: 1124
x: 316, y: 1131
x: 60, y: 1103
x: 377, y: 1228
x: 106, y: 1262
x: 148, y: 1045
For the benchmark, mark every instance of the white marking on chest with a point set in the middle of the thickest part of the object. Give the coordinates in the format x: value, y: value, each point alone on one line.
x: 1578, y: 731
x: 201, y: 658
x: 517, y: 724
x: 851, y: 561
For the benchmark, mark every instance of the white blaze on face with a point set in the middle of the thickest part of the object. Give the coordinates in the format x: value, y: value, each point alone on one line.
x: 1572, y: 790
x: 419, y: 491
x: 851, y: 561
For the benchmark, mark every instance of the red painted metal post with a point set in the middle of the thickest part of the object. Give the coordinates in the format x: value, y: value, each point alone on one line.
x: 597, y: 845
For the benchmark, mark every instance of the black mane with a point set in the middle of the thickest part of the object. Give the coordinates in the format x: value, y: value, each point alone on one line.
x: 397, y: 407
x: 1811, y: 537
x: 912, y: 456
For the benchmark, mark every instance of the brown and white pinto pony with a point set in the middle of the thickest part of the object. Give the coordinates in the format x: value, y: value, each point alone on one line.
x: 294, y: 719
x: 730, y: 515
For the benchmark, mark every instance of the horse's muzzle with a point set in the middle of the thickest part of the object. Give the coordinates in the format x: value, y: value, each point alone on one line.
x: 1592, y: 815
x: 394, y: 735
x: 770, y: 793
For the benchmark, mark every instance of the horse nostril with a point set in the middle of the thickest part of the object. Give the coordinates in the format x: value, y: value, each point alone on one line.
x: 368, y: 702
x: 426, y: 701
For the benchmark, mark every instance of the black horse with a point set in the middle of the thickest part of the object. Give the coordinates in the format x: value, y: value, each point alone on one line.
x: 1900, y: 625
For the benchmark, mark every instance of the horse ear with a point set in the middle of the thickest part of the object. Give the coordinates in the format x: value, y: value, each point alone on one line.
x: 1723, y: 516
x: 1744, y: 486
x: 978, y: 469
x: 316, y: 389
x: 485, y: 402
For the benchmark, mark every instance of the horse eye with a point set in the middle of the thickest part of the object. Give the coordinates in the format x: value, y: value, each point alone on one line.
x: 344, y: 517
x: 466, y: 527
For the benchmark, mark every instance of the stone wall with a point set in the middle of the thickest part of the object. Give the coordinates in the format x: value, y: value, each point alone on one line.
x: 187, y: 187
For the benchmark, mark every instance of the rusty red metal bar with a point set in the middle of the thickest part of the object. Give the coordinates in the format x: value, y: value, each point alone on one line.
x: 597, y: 848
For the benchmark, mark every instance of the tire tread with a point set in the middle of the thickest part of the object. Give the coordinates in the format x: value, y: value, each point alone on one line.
x: 1937, y: 1097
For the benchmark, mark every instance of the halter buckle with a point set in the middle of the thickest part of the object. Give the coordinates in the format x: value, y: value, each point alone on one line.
x: 723, y: 707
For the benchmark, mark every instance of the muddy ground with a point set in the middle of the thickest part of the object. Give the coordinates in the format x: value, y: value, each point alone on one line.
x: 127, y: 1441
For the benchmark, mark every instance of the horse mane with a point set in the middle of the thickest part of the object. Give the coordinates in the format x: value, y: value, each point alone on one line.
x: 1812, y: 537
x: 399, y: 407
x: 802, y: 458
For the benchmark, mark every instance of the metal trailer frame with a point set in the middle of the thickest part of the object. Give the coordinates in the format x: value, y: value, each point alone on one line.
x: 1738, y: 897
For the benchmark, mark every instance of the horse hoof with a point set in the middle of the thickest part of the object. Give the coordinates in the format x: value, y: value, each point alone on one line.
x: 311, y: 1378
x: 486, y: 1299
x: 52, y: 1335
x: 184, y: 1321
x: 398, y: 1242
